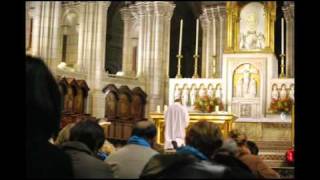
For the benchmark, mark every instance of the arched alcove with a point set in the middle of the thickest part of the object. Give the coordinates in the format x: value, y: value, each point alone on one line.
x: 70, y: 37
x: 114, y: 42
x: 189, y: 12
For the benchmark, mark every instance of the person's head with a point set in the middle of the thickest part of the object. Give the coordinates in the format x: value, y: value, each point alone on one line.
x: 253, y: 147
x: 146, y: 130
x: 229, y: 147
x: 64, y: 134
x: 178, y: 100
x: 204, y: 136
x: 239, y: 137
x: 43, y: 101
x: 89, y: 133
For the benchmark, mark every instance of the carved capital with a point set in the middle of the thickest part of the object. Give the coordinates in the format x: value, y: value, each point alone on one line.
x: 288, y: 12
x: 126, y: 13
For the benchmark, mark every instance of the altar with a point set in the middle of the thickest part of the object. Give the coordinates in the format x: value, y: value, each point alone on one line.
x: 223, y: 119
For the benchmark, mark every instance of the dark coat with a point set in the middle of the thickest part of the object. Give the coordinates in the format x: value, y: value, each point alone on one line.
x: 239, y: 170
x: 85, y: 164
x: 45, y: 160
x: 182, y: 166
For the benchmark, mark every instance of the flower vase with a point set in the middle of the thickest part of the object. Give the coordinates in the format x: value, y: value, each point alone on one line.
x: 283, y: 116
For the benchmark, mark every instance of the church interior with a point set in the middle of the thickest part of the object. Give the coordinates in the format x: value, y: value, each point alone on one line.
x: 230, y: 63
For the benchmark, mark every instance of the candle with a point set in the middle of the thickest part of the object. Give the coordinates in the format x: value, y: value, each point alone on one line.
x: 282, y: 36
x: 158, y: 109
x: 214, y: 39
x: 217, y: 108
x: 165, y: 108
x: 197, y: 36
x: 180, y: 37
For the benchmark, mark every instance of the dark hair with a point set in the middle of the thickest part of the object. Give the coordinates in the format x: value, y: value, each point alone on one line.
x: 253, y: 147
x: 239, y: 137
x: 43, y: 101
x: 144, y: 129
x: 88, y: 132
x: 205, y: 136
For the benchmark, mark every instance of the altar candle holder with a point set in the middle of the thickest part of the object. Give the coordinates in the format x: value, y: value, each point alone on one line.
x: 282, y: 74
x: 179, y: 56
x: 214, y: 66
x: 195, y: 74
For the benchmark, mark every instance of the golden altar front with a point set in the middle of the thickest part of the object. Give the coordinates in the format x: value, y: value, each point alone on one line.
x: 223, y: 120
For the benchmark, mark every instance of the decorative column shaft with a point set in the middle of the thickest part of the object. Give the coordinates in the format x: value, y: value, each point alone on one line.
x: 288, y: 11
x: 94, y: 52
x: 153, y: 57
x: 221, y: 34
x: 127, y: 50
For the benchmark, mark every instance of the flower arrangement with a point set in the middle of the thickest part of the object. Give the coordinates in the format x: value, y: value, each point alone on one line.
x: 281, y: 105
x: 207, y: 104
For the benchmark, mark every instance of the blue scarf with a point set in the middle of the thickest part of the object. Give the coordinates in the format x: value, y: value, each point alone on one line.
x: 139, y: 141
x: 193, y: 151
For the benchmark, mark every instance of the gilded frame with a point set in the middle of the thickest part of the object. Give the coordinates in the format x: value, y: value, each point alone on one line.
x: 233, y: 9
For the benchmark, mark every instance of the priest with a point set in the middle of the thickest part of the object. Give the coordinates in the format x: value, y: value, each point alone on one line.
x: 176, y: 121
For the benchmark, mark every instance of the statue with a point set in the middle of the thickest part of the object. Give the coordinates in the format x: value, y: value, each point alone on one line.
x: 275, y: 93
x: 246, y: 86
x: 252, y: 88
x: 210, y: 91
x: 193, y: 95
x: 283, y: 92
x: 291, y: 92
x: 218, y: 93
x: 251, y: 38
x: 177, y: 92
x: 202, y: 91
x: 185, y: 95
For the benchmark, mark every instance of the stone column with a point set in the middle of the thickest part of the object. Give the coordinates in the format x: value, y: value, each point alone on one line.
x: 36, y: 28
x: 288, y: 11
x: 127, y: 18
x: 94, y: 53
x: 154, y: 18
x: 206, y: 45
x: 209, y: 41
x: 221, y: 35
x: 45, y: 35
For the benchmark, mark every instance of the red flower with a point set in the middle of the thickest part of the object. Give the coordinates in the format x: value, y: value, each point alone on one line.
x: 290, y: 156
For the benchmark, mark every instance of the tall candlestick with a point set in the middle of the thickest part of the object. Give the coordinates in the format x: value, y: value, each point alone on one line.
x: 197, y: 36
x: 180, y: 37
x: 282, y: 36
x: 214, y: 38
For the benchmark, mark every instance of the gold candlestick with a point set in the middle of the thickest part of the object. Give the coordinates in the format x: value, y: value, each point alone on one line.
x: 179, y: 56
x: 195, y: 74
x: 214, y: 66
x: 282, y: 74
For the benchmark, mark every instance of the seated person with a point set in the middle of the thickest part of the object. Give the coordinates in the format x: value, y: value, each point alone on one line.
x: 192, y: 160
x: 128, y: 161
x: 86, y: 138
x: 227, y: 155
x: 259, y: 168
x: 43, y: 103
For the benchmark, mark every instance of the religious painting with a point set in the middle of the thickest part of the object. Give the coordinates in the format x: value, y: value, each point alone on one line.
x: 252, y: 27
x: 123, y: 106
x: 79, y: 101
x: 110, y: 107
x: 68, y: 100
x: 137, y: 107
x: 246, y: 81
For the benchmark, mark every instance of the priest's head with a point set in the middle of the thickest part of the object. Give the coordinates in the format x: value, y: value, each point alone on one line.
x: 178, y: 100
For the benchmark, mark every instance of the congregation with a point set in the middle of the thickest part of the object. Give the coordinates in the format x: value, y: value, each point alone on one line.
x: 81, y: 150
